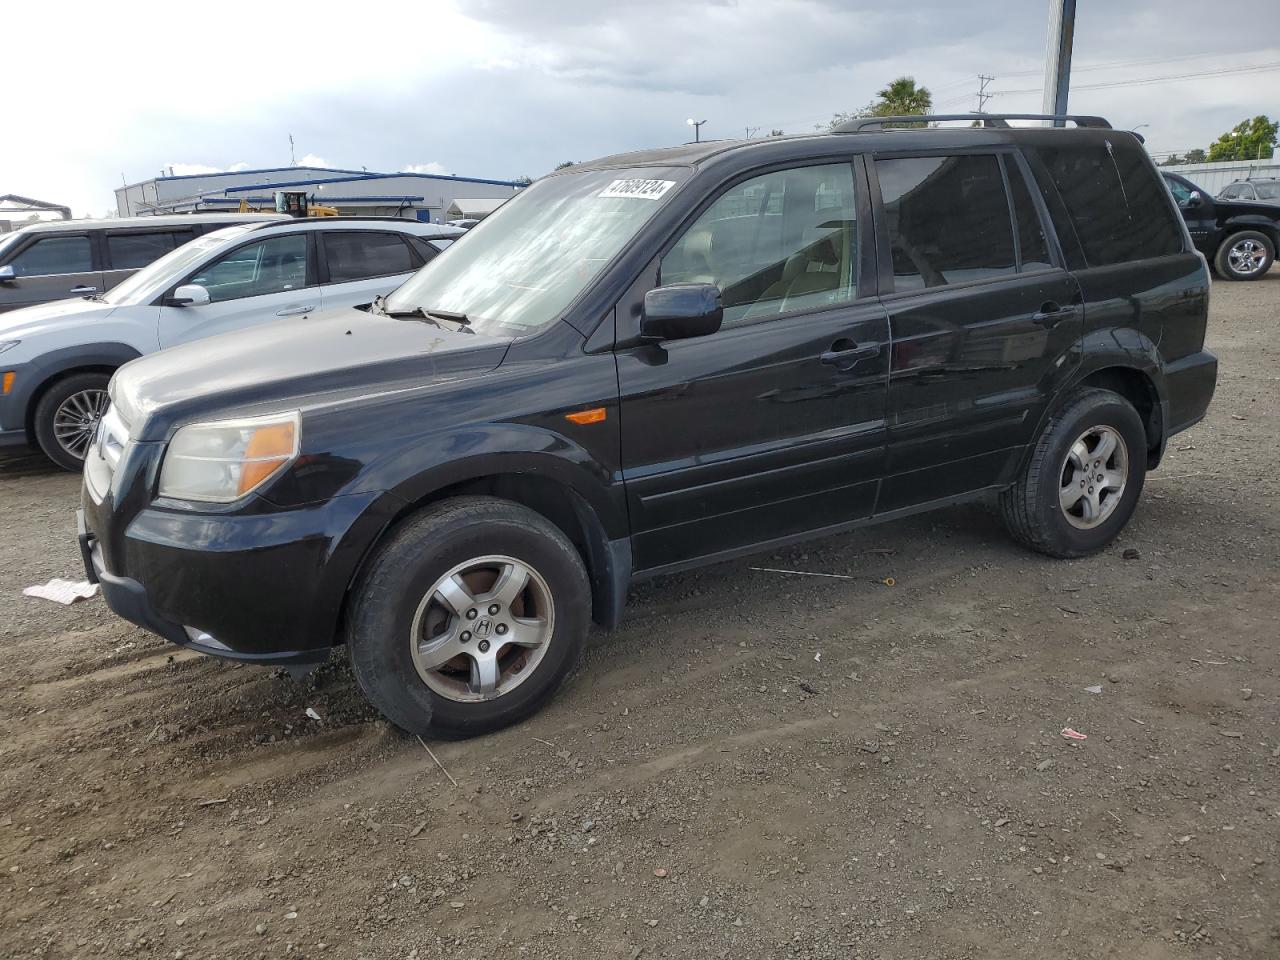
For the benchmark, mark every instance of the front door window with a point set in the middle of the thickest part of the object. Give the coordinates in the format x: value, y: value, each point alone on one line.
x: 775, y: 244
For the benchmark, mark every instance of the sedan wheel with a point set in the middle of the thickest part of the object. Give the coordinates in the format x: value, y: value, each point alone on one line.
x: 76, y: 421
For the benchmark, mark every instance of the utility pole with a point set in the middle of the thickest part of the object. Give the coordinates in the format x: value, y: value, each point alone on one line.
x: 751, y: 132
x: 293, y: 157
x: 1057, y: 60
x: 697, y: 128
x: 983, y: 96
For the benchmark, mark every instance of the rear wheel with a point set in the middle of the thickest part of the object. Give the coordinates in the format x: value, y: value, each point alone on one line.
x: 1082, y: 482
x: 1246, y: 255
x: 469, y: 617
x: 66, y: 418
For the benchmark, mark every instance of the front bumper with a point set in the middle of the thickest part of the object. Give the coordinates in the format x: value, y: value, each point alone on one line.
x: 13, y: 438
x: 260, y: 588
x: 128, y: 599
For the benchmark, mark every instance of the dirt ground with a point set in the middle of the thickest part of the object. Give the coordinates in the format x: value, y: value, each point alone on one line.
x: 754, y: 765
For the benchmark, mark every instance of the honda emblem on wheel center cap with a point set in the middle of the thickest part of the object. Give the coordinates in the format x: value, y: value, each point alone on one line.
x: 483, y: 627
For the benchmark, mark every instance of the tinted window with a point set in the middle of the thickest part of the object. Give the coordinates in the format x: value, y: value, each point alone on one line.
x: 1113, y: 201
x: 947, y: 218
x: 358, y: 255
x: 1033, y: 245
x: 781, y: 242
x: 54, y: 255
x: 428, y: 248
x: 268, y: 266
x: 129, y: 251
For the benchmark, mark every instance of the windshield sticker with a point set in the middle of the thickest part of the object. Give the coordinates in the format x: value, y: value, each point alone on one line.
x: 642, y: 189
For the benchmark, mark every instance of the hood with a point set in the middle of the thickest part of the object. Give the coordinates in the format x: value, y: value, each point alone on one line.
x: 50, y: 317
x: 1265, y: 208
x: 297, y: 362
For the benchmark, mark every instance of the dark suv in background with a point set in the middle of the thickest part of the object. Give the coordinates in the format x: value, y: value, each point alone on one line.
x: 647, y: 363
x: 1239, y: 237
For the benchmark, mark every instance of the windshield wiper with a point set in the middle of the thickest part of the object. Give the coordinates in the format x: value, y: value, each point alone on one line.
x: 432, y: 316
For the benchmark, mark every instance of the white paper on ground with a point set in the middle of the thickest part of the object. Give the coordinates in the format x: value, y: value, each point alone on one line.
x: 63, y: 591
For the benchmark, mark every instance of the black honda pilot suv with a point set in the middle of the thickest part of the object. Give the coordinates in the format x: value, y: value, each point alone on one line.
x: 648, y: 363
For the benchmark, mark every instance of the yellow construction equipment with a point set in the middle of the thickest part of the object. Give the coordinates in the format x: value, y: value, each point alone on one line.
x: 295, y: 204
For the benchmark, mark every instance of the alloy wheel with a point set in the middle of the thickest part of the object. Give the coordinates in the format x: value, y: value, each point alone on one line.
x: 76, y: 420
x: 1093, y: 478
x: 482, y: 629
x: 1247, y: 256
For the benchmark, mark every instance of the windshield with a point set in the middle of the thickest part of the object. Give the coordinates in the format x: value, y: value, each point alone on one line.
x: 517, y: 270
x: 6, y: 239
x: 160, y: 274
x: 1268, y: 191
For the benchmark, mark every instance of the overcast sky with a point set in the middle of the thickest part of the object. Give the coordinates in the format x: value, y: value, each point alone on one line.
x: 504, y: 88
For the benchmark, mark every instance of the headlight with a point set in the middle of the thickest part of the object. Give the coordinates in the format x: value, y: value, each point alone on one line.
x: 223, y: 460
x: 8, y: 344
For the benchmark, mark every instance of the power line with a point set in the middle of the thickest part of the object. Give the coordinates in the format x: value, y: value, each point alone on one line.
x: 1109, y: 64
x: 1144, y: 81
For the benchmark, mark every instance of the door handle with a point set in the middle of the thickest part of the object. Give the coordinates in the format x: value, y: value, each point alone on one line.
x: 844, y: 354
x: 295, y: 311
x: 83, y: 289
x: 1051, y: 314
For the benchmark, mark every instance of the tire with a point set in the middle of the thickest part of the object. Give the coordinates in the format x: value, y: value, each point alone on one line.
x: 1246, y: 255
x: 67, y: 415
x: 1035, y: 508
x: 398, y: 595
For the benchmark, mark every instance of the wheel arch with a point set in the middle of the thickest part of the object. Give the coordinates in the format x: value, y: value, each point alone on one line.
x: 1270, y: 228
x: 53, y: 367
x: 604, y: 548
x: 1127, y: 362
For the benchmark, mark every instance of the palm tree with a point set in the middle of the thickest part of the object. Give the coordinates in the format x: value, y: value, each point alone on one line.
x: 902, y: 98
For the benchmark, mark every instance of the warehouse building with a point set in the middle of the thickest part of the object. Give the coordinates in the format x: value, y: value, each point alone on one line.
x: 413, y: 196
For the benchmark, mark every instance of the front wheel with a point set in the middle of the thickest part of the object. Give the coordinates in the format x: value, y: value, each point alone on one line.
x: 1082, y: 481
x: 1246, y: 255
x: 469, y: 618
x: 66, y: 418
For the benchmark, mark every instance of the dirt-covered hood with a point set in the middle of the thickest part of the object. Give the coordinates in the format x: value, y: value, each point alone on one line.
x: 293, y: 363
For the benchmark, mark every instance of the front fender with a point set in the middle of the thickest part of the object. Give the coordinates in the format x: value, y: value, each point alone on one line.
x: 1252, y: 221
x: 414, y: 472
x: 31, y: 377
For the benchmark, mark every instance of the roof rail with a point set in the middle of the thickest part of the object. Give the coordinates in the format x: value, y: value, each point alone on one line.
x: 985, y: 119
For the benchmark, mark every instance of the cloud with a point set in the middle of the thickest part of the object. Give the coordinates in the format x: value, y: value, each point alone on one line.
x: 313, y: 160
x: 189, y: 169
x: 514, y: 88
x: 431, y: 167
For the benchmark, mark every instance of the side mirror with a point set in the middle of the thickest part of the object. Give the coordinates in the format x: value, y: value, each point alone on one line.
x: 189, y: 295
x: 680, y: 311
x: 1195, y: 199
x: 7, y: 275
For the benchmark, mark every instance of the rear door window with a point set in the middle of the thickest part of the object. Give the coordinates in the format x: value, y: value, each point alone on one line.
x: 947, y: 219
x: 130, y: 251
x: 359, y: 255
x: 1033, y: 245
x: 1114, y: 203
x: 51, y: 256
